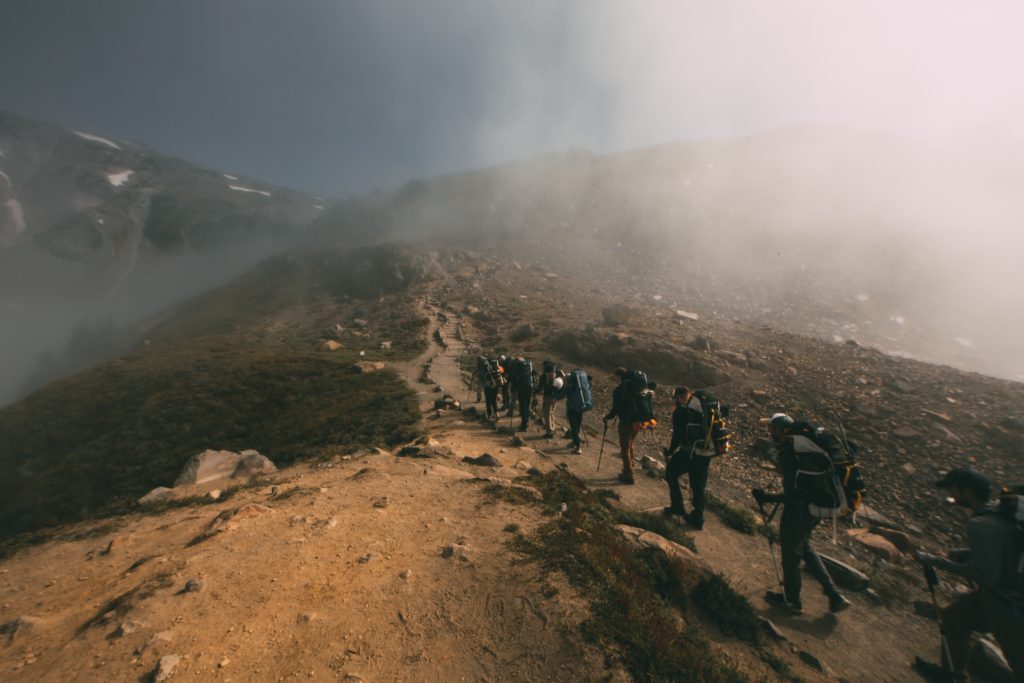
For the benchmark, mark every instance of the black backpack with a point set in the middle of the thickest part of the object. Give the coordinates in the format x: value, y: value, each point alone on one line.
x: 523, y: 375
x: 495, y: 376
x: 714, y: 437
x: 827, y: 473
x: 639, y: 396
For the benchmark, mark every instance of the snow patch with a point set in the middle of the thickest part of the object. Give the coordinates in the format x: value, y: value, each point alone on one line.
x: 230, y: 177
x: 862, y: 297
x: 964, y: 342
x: 239, y: 188
x: 119, y: 179
x: 96, y: 138
x: 17, y: 215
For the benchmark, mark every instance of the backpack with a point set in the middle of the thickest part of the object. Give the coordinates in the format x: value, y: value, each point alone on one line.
x: 495, y: 375
x: 523, y: 374
x: 827, y: 473
x: 1011, y: 508
x: 639, y: 396
x: 714, y: 438
x: 578, y: 390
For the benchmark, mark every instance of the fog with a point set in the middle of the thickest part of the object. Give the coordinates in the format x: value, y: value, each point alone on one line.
x: 907, y: 188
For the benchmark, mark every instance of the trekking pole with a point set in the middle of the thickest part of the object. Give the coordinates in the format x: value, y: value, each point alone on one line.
x: 931, y: 577
x: 604, y: 436
x: 771, y: 542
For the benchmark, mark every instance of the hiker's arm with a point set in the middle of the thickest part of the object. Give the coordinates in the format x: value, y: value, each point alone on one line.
x: 957, y: 568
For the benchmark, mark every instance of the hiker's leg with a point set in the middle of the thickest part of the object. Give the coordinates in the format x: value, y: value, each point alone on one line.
x: 1010, y: 636
x: 792, y: 552
x: 632, y: 441
x: 625, y: 446
x: 575, y: 418
x: 698, y: 487
x: 960, y: 620
x: 549, y: 414
x: 524, y: 408
x: 813, y: 561
x: 676, y: 468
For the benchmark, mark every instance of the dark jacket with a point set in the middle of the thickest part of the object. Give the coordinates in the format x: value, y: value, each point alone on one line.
x: 787, y: 465
x: 686, y: 428
x: 622, y: 407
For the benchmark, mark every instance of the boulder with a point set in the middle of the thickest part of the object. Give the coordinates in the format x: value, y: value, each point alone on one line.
x: 366, y: 366
x: 252, y: 465
x: 329, y: 345
x: 210, y: 465
x: 165, y: 668
x: 641, y: 539
x: 846, y: 576
x: 900, y: 539
x: 878, y: 545
x: 686, y: 315
x: 987, y: 663
x: 19, y: 626
x: 485, y: 460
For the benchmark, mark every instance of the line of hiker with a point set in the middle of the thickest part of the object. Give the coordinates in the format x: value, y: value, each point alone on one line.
x: 820, y: 481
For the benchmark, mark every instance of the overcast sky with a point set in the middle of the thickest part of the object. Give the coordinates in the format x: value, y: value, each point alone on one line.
x: 343, y: 97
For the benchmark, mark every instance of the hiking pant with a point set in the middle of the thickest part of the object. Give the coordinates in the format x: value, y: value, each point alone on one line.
x: 969, y: 614
x: 575, y: 418
x: 491, y: 397
x: 683, y: 462
x: 524, y: 397
x: 627, y: 435
x: 795, y: 529
x: 506, y: 399
x: 549, y: 414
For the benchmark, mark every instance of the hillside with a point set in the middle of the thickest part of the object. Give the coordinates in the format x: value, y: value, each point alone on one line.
x: 95, y: 229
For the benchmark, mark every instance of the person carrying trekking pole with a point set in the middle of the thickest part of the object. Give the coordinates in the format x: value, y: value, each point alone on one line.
x: 622, y: 408
x: 522, y: 387
x: 506, y: 400
x: 795, y: 528
x: 578, y: 400
x: 992, y: 563
x: 687, y: 425
x: 550, y: 388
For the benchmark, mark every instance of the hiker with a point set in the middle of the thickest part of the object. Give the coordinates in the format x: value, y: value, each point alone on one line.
x: 550, y: 387
x: 629, y: 426
x: 687, y: 431
x: 480, y: 376
x: 990, y: 562
x: 795, y: 528
x: 506, y: 399
x: 522, y: 386
x: 492, y: 384
x: 578, y: 400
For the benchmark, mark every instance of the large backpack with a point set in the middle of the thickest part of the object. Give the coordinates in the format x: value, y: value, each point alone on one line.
x: 495, y: 375
x: 523, y: 375
x: 714, y: 437
x: 578, y: 390
x: 827, y: 473
x: 1011, y: 508
x: 639, y: 396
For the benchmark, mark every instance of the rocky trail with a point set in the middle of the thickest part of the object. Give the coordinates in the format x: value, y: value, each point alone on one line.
x: 385, y: 567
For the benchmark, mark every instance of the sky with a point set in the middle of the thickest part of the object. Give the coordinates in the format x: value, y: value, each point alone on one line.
x: 341, y: 98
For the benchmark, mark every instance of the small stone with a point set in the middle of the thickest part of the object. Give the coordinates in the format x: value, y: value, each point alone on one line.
x: 381, y: 502
x: 517, y: 442
x: 485, y: 460
x: 194, y: 586
x: 127, y: 627
x: 365, y: 558
x: 771, y: 630
x: 223, y: 663
x: 812, y: 661
x: 405, y: 574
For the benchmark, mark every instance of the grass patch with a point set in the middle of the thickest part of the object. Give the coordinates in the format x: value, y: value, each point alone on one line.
x: 634, y: 595
x: 740, y: 519
x: 896, y: 585
x: 727, y: 609
x: 511, y: 528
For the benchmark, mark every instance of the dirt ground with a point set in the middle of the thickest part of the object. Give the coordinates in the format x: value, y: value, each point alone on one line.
x: 337, y: 571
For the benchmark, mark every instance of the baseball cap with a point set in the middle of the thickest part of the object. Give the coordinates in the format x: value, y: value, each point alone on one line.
x: 967, y: 478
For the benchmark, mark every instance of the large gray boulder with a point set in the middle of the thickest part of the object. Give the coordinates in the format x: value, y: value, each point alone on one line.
x: 211, y: 466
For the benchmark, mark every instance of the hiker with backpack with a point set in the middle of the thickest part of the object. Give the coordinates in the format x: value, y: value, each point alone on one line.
x: 798, y: 519
x: 633, y: 404
x: 578, y: 400
x: 521, y: 379
x: 506, y: 400
x: 550, y: 386
x: 698, y: 435
x: 480, y: 376
x: 992, y: 562
x: 495, y: 380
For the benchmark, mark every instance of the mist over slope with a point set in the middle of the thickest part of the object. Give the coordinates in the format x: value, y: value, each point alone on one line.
x: 829, y: 231
x: 94, y: 228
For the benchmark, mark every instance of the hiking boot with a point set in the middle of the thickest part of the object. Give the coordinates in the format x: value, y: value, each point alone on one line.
x: 549, y: 434
x: 933, y: 672
x: 779, y: 600
x: 577, y: 451
x: 837, y: 603
x: 694, y: 522
x: 626, y: 478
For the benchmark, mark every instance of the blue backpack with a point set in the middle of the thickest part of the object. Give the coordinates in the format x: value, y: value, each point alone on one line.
x: 577, y: 393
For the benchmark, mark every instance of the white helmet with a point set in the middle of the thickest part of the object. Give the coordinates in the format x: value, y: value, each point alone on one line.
x: 558, y: 383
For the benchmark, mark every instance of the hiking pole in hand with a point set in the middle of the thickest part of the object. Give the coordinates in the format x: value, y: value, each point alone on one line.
x: 768, y: 536
x: 931, y: 577
x: 604, y: 436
